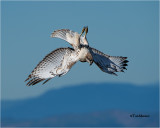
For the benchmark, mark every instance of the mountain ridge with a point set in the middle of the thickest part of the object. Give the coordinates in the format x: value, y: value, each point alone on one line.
x: 85, y: 98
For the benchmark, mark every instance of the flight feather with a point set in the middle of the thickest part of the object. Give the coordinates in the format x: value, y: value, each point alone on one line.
x: 107, y: 63
x: 56, y: 63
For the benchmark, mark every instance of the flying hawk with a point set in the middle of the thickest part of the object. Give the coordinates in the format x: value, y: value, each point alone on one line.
x: 61, y: 60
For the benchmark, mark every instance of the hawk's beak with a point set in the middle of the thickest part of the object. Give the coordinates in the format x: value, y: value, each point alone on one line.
x: 89, y: 61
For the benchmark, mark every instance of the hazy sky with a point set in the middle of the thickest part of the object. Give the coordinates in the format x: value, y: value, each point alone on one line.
x: 116, y: 28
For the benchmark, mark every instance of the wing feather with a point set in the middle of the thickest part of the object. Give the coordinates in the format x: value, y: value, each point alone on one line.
x: 66, y: 34
x: 69, y: 36
x: 47, y: 68
x: 107, y: 63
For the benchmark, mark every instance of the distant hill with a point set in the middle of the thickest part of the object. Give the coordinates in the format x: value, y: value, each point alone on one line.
x: 104, y: 104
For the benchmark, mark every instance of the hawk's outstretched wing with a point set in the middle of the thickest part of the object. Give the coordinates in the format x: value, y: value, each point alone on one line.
x: 108, y: 64
x: 68, y: 35
x: 51, y: 66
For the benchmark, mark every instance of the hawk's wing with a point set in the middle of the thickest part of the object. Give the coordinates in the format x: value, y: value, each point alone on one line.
x: 67, y: 35
x: 108, y: 64
x: 51, y: 66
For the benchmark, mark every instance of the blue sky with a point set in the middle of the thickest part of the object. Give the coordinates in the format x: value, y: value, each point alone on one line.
x: 115, y: 28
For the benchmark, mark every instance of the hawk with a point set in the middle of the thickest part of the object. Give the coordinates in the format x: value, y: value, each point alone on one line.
x: 61, y: 60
